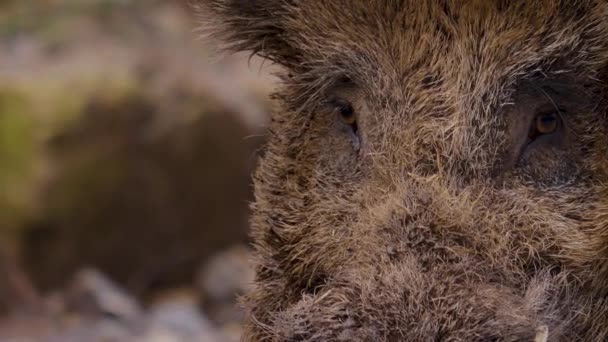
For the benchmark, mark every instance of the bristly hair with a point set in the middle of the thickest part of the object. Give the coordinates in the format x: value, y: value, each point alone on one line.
x: 437, y: 227
x: 249, y: 25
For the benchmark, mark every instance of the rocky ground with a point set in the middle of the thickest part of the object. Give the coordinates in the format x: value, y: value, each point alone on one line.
x: 126, y: 148
x: 93, y: 308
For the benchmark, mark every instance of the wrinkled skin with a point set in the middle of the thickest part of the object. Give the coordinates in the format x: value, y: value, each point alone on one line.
x: 406, y: 192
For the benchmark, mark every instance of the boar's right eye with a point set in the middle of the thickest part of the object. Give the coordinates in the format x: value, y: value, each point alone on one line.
x: 347, y: 118
x: 346, y: 113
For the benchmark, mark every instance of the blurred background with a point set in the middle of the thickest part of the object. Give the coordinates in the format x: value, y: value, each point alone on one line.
x: 126, y: 148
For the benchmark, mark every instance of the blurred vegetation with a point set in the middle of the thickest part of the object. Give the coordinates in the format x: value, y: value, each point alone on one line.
x: 144, y: 208
x: 17, y: 155
x: 51, y: 19
x: 117, y: 151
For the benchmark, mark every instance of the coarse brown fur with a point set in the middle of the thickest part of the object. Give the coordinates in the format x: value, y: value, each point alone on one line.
x: 431, y: 221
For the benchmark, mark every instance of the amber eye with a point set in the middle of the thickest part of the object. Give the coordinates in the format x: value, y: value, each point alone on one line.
x: 346, y: 112
x: 544, y: 124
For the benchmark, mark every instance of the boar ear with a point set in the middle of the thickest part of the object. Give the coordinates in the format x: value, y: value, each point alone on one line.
x: 250, y: 25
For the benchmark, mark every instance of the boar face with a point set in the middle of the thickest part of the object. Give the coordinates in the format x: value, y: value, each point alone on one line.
x: 435, y: 171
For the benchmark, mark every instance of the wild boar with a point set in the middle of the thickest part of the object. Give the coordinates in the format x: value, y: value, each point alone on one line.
x: 436, y: 170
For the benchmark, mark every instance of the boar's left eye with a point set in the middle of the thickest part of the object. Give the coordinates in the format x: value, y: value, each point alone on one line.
x: 544, y: 124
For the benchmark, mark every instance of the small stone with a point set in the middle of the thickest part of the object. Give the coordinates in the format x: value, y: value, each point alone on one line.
x: 227, y: 274
x: 91, y: 293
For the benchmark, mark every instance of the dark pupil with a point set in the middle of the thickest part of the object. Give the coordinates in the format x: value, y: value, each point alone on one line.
x: 548, y: 119
x: 346, y: 111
